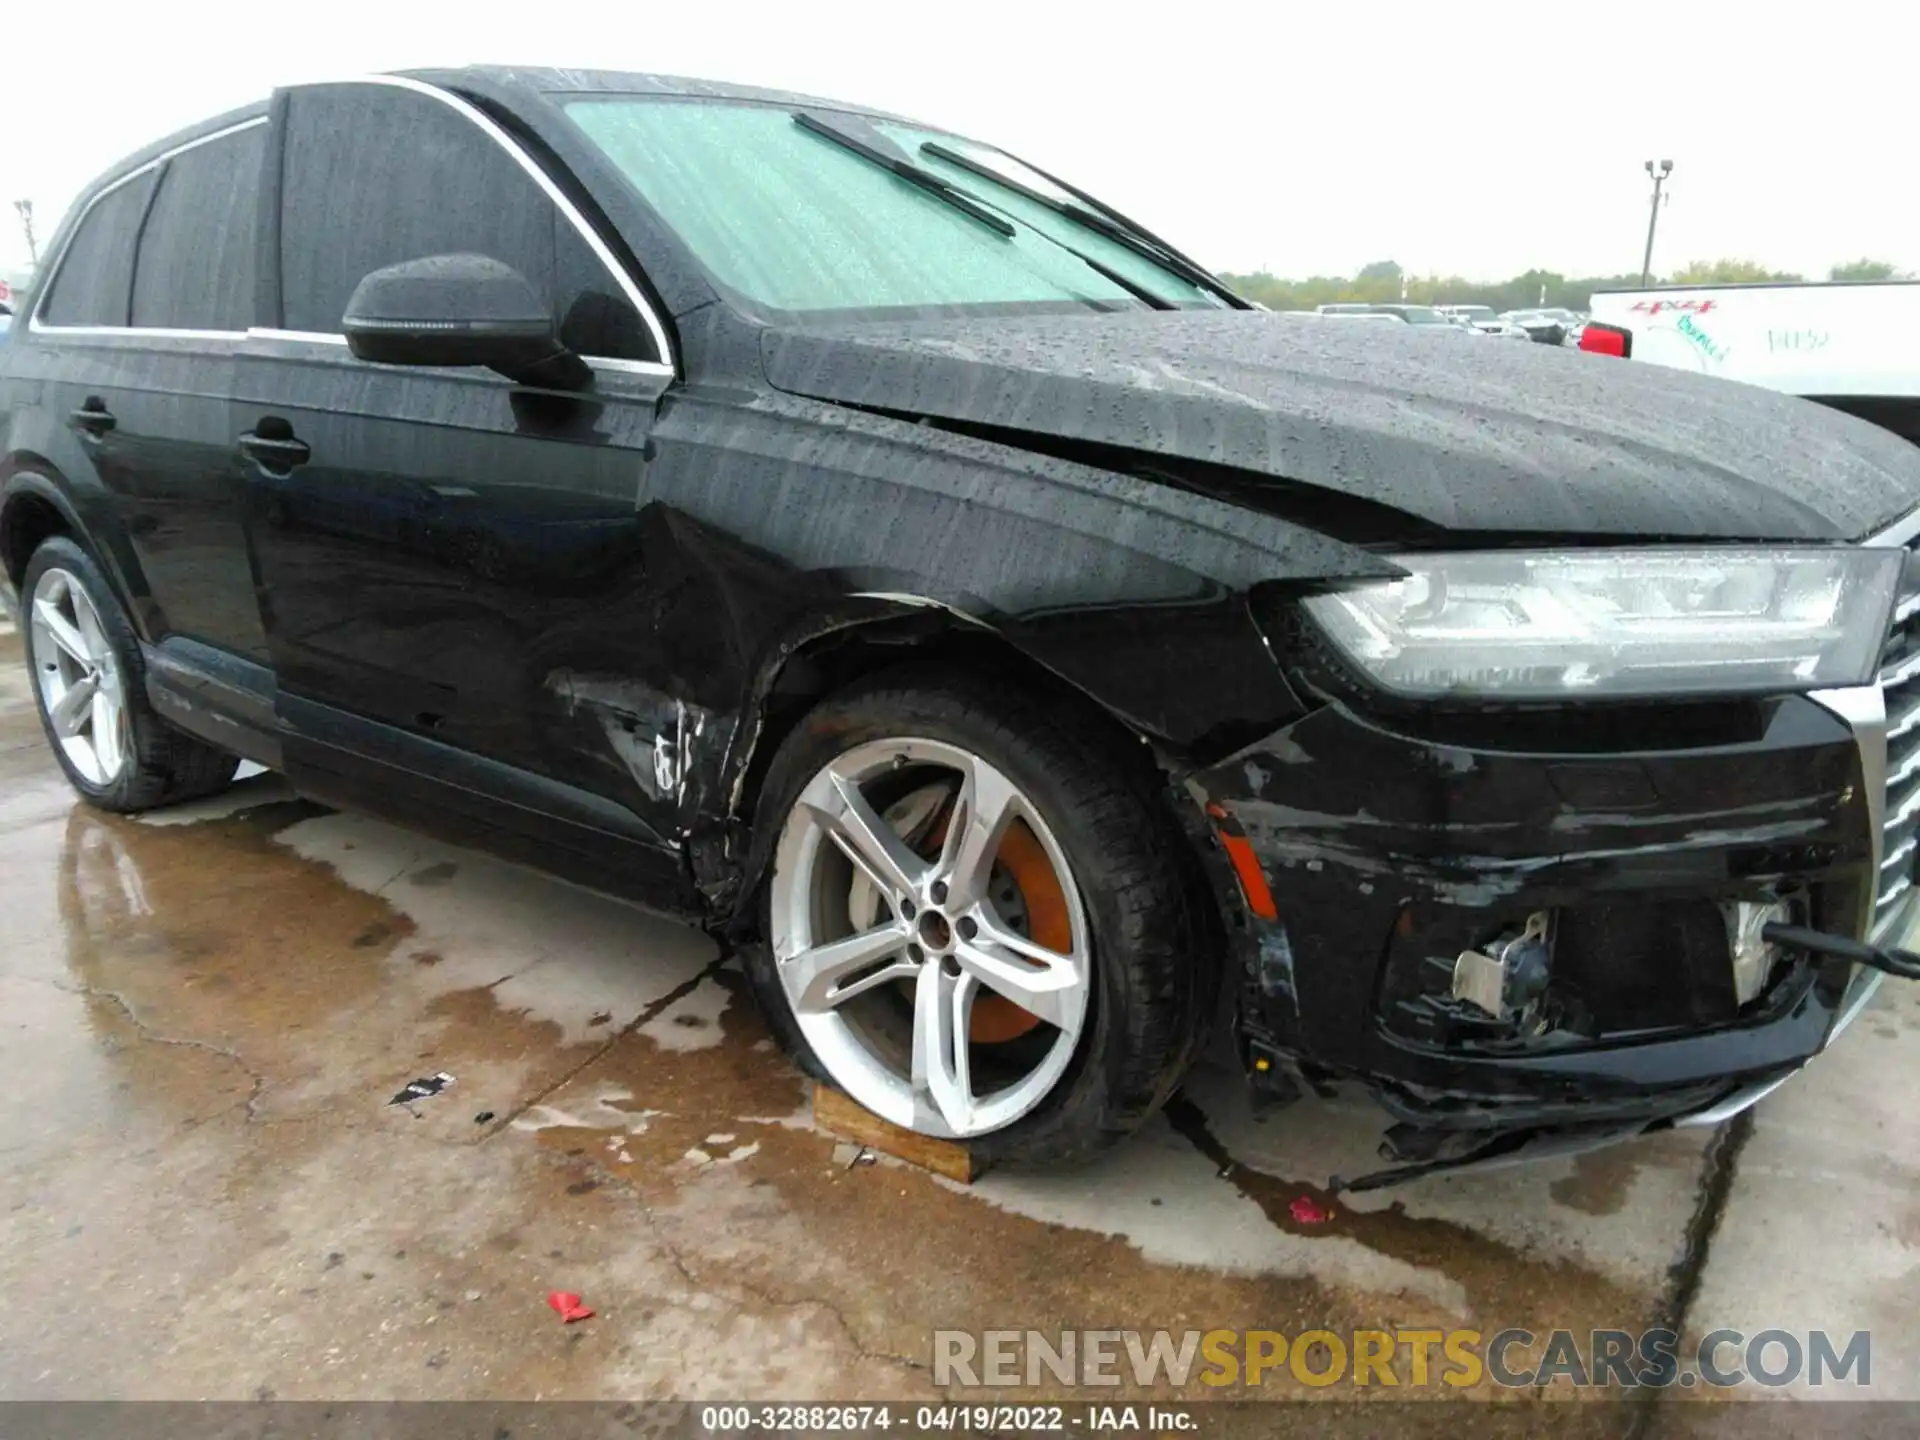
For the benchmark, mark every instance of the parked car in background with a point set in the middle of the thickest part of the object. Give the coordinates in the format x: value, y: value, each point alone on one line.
x: 1416, y: 315
x: 835, y: 532
x: 1343, y: 307
x: 1477, y: 316
x: 1570, y: 322
x: 1845, y: 345
x: 1543, y: 327
x: 1483, y: 321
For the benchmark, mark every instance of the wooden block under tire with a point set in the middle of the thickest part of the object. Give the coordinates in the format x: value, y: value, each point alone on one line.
x: 838, y: 1115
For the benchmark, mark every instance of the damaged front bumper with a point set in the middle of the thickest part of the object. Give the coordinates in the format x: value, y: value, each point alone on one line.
x: 1619, y: 847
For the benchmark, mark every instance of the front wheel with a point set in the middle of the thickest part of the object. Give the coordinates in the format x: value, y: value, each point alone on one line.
x: 980, y: 922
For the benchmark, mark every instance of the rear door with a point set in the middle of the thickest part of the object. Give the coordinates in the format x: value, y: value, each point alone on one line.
x: 149, y: 302
x: 192, y: 301
x: 86, y: 362
x: 440, y: 549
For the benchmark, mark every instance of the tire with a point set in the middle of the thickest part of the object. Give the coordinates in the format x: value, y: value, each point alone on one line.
x: 155, y: 764
x: 1152, y: 959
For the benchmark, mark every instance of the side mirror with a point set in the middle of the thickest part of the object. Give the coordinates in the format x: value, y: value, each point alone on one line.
x: 459, y: 310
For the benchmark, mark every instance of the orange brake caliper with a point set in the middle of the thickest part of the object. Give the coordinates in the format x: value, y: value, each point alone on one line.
x: 997, y: 1019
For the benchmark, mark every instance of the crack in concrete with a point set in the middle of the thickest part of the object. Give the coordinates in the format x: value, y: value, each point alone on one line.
x: 1684, y: 1276
x: 151, y: 1037
x: 413, y: 858
x: 738, y: 1291
x: 1717, y: 1175
x: 654, y: 1009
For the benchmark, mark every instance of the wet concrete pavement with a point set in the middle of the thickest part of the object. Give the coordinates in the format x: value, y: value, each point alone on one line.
x: 203, y: 1192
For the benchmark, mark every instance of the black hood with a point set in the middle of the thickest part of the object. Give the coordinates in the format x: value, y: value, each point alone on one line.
x: 1463, y: 433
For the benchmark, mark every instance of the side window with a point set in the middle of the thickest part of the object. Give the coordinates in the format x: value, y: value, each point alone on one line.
x: 375, y: 175
x: 195, y: 266
x: 94, y: 284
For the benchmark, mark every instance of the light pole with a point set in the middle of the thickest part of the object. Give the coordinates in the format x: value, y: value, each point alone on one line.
x: 1653, y: 216
x: 24, y: 208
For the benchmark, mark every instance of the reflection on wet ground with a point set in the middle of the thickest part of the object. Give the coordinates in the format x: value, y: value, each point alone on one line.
x: 205, y: 1013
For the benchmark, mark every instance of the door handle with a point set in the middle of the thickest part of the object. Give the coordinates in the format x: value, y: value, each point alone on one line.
x: 93, y: 417
x: 275, y: 452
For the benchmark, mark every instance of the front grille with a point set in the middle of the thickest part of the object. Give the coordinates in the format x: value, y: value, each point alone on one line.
x: 1900, y: 684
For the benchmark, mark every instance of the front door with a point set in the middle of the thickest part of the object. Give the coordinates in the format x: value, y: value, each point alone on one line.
x: 450, y: 561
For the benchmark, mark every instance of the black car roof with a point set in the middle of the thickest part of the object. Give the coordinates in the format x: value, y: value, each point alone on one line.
x: 562, y: 84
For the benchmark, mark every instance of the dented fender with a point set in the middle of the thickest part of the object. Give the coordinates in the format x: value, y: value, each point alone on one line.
x: 772, y: 526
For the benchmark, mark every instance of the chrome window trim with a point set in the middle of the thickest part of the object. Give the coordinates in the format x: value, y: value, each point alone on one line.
x: 309, y: 337
x: 37, y: 326
x: 1899, y: 533
x: 635, y: 296
x: 627, y: 367
x: 320, y: 337
x: 139, y: 332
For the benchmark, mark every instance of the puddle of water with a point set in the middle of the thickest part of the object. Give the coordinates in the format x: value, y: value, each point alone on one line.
x: 580, y: 961
x: 692, y: 1023
x: 252, y: 787
x: 598, y: 1112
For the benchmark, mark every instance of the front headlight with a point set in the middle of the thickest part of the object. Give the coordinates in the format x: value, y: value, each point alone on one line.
x: 1544, y: 625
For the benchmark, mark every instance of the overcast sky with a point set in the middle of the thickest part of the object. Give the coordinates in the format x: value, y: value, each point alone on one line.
x: 1471, y: 138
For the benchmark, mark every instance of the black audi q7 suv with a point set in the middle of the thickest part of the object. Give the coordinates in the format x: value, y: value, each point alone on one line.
x: 1035, y: 658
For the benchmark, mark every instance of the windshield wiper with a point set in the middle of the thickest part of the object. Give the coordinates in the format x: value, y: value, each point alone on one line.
x: 908, y: 171
x: 959, y: 199
x: 1144, y: 247
x: 1140, y: 232
x: 1107, y: 272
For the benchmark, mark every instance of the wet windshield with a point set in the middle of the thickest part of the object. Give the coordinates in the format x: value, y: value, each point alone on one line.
x: 791, y: 219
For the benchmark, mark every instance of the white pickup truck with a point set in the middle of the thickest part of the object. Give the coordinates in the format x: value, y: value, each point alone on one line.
x: 1844, y: 345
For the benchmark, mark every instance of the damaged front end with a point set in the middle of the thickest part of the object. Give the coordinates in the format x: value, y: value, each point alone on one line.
x: 1537, y: 927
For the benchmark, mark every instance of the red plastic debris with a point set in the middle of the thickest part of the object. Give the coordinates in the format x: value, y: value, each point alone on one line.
x: 1309, y: 1211
x: 568, y: 1306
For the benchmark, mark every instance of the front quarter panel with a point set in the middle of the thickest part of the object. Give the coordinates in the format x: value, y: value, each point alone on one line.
x: 1131, y: 591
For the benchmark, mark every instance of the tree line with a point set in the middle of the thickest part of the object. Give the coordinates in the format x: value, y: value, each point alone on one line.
x: 1384, y: 281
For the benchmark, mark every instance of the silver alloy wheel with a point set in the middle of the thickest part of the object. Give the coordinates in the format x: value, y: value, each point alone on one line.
x: 81, y: 688
x: 886, y: 999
